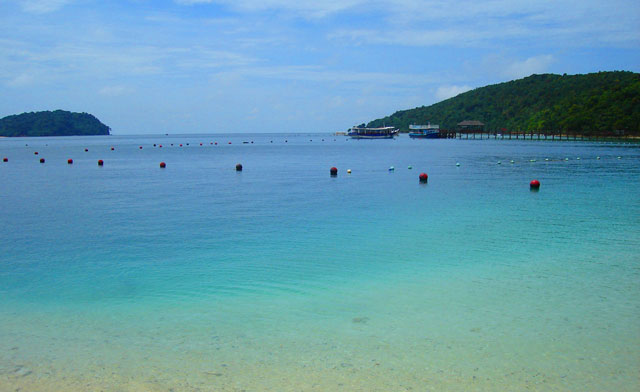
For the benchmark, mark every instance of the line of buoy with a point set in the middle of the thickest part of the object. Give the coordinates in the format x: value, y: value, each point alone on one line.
x: 423, y: 177
x: 333, y: 171
x: 86, y: 150
x: 100, y: 162
x: 163, y: 165
x: 5, y: 159
x: 239, y: 167
x: 41, y: 160
x: 69, y: 161
x: 534, y: 184
x: 35, y: 153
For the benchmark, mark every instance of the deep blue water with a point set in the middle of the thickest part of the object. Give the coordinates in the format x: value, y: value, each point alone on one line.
x: 132, y: 276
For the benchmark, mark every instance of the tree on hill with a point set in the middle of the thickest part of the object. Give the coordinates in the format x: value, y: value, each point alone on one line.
x: 52, y: 123
x: 597, y: 103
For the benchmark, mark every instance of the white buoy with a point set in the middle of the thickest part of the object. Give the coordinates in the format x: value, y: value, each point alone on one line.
x: 348, y: 171
x: 499, y: 163
x: 597, y: 157
x: 457, y: 163
x: 546, y: 159
x: 410, y: 167
x: 511, y: 161
x: 392, y: 168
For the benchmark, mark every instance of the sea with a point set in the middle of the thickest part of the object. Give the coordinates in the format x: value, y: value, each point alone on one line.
x: 281, y: 277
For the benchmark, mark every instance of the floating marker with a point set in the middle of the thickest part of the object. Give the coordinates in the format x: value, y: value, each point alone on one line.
x: 160, y: 145
x: 154, y: 144
x: 229, y: 142
x: 499, y: 163
x: 512, y: 161
x: 41, y: 160
x: 35, y: 153
x: 86, y: 150
x: 333, y: 171
x: 392, y: 168
x: 239, y: 167
x: 140, y: 147
x: 578, y: 158
x: 5, y: 159
x: 546, y: 159
x: 200, y: 143
x: 112, y: 148
x: 348, y: 171
x: 535, y: 184
x: 180, y: 144
x: 163, y: 165
x: 619, y: 157
x: 532, y: 160
x: 457, y: 163
x: 423, y: 177
x: 100, y: 162
x: 597, y: 157
x: 566, y: 159
x: 70, y: 161
x: 410, y: 167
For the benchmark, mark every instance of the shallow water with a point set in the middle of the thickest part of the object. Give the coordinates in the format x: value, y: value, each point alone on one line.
x: 197, y: 277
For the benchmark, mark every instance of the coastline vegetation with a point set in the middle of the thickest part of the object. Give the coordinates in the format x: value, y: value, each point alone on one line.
x: 603, y: 103
x: 52, y: 123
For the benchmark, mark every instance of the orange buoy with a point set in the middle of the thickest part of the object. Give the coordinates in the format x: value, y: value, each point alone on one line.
x: 239, y: 167
x: 333, y: 171
x: 535, y: 184
x: 69, y: 161
x: 163, y: 165
x: 100, y: 162
x: 423, y: 177
x: 41, y: 160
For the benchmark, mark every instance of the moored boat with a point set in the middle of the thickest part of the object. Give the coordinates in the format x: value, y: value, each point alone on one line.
x: 424, y: 131
x: 373, y: 133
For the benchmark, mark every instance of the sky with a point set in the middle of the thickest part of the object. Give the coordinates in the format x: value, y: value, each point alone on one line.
x: 217, y: 66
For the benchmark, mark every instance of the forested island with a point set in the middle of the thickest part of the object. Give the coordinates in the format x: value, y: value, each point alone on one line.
x: 52, y: 123
x: 592, y: 104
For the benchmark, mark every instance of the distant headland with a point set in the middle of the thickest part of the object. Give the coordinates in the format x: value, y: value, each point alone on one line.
x: 52, y: 123
x: 592, y: 104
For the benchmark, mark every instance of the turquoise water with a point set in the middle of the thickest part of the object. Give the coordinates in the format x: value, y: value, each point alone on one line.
x: 280, y: 277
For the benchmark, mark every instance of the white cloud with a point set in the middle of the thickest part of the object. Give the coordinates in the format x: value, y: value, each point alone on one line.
x: 532, y: 65
x: 115, y: 91
x: 444, y: 92
x: 43, y: 6
x: 24, y: 79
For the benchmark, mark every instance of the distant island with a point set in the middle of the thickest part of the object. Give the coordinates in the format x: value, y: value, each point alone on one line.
x: 591, y: 104
x: 52, y: 123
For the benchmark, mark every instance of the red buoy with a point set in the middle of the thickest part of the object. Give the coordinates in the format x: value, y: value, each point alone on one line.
x: 239, y: 167
x: 160, y: 146
x: 5, y: 159
x: 200, y: 143
x: 216, y: 143
x: 423, y: 177
x: 163, y: 165
x: 86, y: 150
x: 41, y: 160
x: 333, y: 171
x: 100, y: 162
x: 180, y: 144
x: 535, y: 184
x: 69, y: 161
x: 229, y: 142
x: 112, y: 148
x: 35, y: 153
x: 140, y: 147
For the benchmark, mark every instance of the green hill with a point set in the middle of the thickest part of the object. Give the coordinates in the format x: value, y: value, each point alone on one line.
x: 56, y: 123
x: 597, y: 103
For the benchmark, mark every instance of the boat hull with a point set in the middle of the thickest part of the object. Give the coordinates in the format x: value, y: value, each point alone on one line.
x: 433, y: 135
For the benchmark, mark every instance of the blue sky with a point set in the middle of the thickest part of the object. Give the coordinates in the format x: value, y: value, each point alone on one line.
x: 200, y: 66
